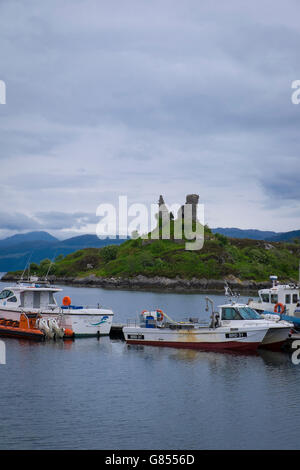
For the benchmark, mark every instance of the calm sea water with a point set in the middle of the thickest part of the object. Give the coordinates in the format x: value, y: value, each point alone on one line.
x: 103, y: 394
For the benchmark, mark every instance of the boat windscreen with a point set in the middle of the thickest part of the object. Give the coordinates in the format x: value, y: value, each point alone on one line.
x: 248, y: 313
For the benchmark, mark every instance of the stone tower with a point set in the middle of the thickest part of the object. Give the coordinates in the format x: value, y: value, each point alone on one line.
x: 191, y: 199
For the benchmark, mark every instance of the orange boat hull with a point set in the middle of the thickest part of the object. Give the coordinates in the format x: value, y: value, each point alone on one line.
x: 13, y: 332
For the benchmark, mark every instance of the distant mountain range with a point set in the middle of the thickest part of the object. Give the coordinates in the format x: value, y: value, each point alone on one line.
x: 18, y: 250
x: 258, y: 234
x: 32, y: 247
x: 27, y: 237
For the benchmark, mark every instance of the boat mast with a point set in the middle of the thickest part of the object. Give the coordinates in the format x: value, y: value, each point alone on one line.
x: 26, y: 267
x: 46, y: 277
x: 213, y: 313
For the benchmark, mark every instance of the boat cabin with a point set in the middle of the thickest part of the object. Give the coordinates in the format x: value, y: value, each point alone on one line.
x: 286, y: 294
x: 29, y: 296
x: 280, y: 298
x: 234, y: 311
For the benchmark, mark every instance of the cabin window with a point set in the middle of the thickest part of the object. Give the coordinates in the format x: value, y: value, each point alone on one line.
x: 6, y: 293
x: 51, y: 298
x: 36, y: 299
x: 274, y: 298
x: 229, y: 313
x: 12, y: 299
x: 287, y: 298
x: 295, y: 298
x: 265, y: 298
x: 248, y: 313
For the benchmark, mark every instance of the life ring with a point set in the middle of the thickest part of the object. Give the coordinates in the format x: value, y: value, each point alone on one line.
x: 161, y: 315
x: 66, y: 301
x: 282, y: 307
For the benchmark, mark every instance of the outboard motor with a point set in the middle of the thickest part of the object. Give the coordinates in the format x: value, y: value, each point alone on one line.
x: 56, y: 329
x: 42, y: 325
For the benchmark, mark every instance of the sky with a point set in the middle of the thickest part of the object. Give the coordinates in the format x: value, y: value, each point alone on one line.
x: 142, y: 98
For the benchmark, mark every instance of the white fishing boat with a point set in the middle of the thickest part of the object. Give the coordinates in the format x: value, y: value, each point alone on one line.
x: 34, y: 296
x: 234, y: 327
x: 280, y: 298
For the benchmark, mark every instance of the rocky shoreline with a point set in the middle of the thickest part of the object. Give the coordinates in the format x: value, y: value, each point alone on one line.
x: 157, y: 283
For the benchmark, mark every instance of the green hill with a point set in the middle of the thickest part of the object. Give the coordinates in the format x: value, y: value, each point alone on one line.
x: 220, y: 257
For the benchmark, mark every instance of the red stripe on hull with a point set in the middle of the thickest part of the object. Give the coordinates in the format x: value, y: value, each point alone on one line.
x: 230, y: 345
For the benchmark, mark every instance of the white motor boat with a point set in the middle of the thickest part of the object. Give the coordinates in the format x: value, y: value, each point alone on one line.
x: 34, y: 296
x: 241, y: 314
x: 280, y: 298
x: 233, y: 327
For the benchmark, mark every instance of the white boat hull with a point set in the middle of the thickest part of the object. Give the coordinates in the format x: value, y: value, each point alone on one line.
x: 86, y: 323
x: 89, y: 325
x: 276, y: 337
x: 197, y: 338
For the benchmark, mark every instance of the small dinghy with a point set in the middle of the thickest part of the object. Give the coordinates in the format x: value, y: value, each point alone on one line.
x: 32, y: 326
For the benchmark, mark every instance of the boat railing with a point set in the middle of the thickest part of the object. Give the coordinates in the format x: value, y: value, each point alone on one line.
x: 82, y: 307
x: 196, y: 321
x: 132, y: 322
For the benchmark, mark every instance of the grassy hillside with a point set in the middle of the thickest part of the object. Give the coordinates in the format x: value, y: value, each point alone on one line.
x: 220, y: 257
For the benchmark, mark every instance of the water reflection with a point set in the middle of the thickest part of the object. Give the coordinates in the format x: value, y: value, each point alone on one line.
x: 89, y: 393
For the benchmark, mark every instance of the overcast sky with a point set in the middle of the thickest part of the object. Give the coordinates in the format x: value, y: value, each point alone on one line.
x: 142, y: 98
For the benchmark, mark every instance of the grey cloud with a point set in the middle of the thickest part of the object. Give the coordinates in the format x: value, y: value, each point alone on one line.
x: 284, y: 185
x: 145, y: 98
x: 55, y: 220
x: 52, y: 220
x: 18, y: 222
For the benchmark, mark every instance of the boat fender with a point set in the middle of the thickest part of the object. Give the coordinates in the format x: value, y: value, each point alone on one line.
x: 66, y: 301
x: 68, y: 333
x: 282, y: 307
